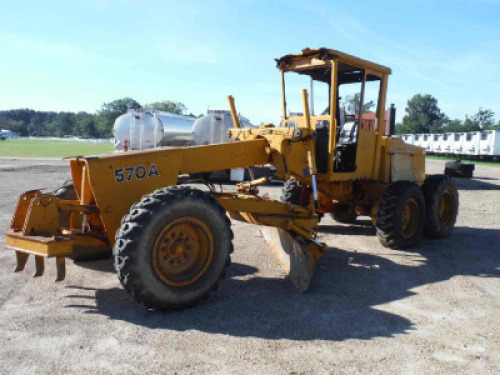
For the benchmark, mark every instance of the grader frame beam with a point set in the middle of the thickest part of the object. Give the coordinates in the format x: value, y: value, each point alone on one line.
x: 125, y: 178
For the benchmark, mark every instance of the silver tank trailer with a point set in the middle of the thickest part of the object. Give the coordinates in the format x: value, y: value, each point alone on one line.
x: 178, y: 129
x: 142, y: 129
x: 212, y: 128
x: 138, y: 130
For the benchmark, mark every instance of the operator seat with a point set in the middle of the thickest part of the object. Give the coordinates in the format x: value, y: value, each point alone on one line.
x: 345, y: 149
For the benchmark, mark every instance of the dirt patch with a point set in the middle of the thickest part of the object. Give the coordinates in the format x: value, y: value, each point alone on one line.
x: 434, y: 309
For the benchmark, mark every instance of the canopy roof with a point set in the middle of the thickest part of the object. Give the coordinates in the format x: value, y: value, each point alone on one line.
x: 310, y: 62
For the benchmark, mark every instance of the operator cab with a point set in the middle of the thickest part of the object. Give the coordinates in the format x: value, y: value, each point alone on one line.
x: 355, y: 90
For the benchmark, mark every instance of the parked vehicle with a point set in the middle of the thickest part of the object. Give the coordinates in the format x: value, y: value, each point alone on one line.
x: 458, y: 145
x: 471, y: 146
x: 483, y: 144
x: 489, y: 144
x: 437, y: 143
x: 426, y: 142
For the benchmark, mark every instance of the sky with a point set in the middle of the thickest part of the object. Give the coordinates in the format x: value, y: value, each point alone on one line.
x: 76, y: 55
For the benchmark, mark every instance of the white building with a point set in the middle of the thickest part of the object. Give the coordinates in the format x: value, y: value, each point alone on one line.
x: 8, y: 133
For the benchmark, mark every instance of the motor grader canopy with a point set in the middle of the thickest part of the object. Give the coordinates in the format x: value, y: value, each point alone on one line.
x: 344, y: 91
x: 310, y: 62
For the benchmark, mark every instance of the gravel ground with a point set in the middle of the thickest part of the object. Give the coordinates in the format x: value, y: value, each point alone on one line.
x: 373, y: 310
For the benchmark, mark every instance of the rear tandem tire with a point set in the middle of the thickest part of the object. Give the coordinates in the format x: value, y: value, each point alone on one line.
x: 173, y: 248
x: 441, y: 206
x: 401, y: 215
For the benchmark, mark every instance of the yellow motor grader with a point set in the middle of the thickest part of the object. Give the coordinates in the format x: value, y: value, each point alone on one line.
x: 172, y: 243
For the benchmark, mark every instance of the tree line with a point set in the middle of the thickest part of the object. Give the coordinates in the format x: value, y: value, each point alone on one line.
x: 28, y: 122
x: 423, y: 115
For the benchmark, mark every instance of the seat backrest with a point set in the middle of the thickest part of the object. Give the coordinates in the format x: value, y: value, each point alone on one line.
x: 348, y: 133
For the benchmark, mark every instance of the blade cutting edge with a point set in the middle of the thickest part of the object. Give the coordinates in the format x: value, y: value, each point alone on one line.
x: 293, y: 256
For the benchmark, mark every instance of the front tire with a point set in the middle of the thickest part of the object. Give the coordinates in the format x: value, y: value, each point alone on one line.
x: 441, y: 206
x: 173, y: 248
x: 401, y: 216
x: 66, y: 191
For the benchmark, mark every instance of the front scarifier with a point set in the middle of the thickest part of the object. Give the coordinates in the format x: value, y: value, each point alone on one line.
x: 34, y: 230
x: 172, y: 244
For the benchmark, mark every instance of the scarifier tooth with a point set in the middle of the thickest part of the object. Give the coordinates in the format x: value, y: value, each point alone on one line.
x: 39, y: 266
x: 61, y: 268
x: 21, y: 259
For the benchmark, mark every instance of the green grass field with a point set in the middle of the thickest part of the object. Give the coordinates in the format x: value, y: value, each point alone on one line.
x: 52, y: 148
x: 478, y: 162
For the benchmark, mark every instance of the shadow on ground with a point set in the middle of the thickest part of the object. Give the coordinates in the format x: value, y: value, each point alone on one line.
x: 342, y: 303
x: 105, y: 265
x: 475, y: 183
x: 485, y: 178
x: 361, y: 227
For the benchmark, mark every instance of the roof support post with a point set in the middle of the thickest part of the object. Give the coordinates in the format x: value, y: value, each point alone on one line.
x: 378, y: 132
x: 333, y: 117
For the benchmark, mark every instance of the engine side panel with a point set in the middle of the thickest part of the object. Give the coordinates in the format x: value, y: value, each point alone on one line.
x: 407, y: 162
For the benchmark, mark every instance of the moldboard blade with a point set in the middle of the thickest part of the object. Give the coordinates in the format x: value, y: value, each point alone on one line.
x: 294, y: 257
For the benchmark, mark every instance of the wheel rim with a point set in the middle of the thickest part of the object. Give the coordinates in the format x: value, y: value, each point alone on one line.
x: 445, y: 208
x: 183, y: 251
x: 410, y: 218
